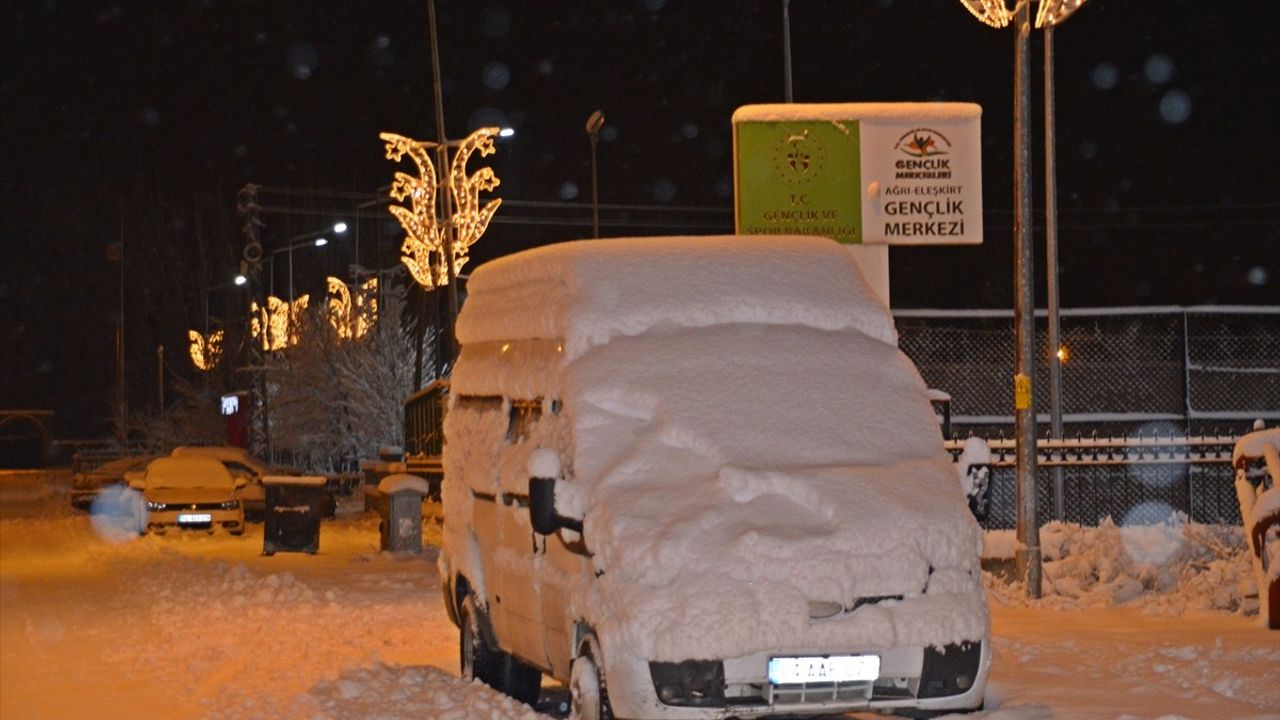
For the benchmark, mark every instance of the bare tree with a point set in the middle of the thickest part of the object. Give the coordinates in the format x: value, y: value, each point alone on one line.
x: 335, y: 400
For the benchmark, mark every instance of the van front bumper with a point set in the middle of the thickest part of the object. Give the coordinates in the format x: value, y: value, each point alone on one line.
x: 952, y: 678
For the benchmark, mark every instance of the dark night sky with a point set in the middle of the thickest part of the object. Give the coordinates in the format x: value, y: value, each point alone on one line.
x: 142, y: 119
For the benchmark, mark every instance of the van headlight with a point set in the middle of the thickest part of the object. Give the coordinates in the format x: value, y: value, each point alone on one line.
x: 695, y: 683
x: 230, y: 504
x: 950, y: 670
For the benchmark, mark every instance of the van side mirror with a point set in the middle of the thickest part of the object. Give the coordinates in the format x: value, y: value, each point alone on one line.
x: 542, y: 508
x: 542, y: 505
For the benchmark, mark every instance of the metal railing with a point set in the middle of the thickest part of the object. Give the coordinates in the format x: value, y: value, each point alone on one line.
x: 1153, y: 400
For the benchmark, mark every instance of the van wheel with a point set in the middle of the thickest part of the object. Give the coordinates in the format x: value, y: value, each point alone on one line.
x: 490, y: 666
x: 478, y: 661
x: 588, y: 693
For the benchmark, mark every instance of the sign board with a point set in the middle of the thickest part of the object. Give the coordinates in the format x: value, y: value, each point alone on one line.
x: 860, y: 173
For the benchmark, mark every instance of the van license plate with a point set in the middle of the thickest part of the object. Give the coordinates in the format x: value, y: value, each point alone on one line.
x: 194, y: 518
x: 823, y: 669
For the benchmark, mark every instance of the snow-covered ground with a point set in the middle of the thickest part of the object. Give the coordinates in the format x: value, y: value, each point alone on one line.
x: 1136, y: 623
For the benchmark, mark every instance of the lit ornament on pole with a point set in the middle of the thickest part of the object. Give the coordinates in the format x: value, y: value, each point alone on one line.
x: 275, y: 325
x: 423, y: 251
x: 352, y: 317
x: 205, y: 352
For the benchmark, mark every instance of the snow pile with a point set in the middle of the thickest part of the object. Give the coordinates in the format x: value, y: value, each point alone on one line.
x: 390, y: 692
x: 1167, y: 568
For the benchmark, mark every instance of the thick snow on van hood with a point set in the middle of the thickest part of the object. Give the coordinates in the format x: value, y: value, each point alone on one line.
x: 787, y: 466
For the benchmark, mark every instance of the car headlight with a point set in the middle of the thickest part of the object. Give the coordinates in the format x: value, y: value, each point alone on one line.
x: 230, y: 504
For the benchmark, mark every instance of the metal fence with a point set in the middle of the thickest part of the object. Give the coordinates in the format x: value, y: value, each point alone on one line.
x: 1129, y: 372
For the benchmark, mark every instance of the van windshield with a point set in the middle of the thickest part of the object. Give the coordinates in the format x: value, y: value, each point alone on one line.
x: 752, y: 395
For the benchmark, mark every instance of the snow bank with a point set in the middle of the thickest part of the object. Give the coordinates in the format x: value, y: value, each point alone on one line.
x: 389, y: 692
x: 1167, y: 568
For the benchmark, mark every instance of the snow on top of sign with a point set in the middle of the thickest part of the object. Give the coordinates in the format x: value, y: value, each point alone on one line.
x: 857, y: 111
x: 586, y: 292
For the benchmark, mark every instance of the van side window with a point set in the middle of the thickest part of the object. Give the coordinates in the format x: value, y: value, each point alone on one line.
x: 479, y: 403
x: 524, y: 415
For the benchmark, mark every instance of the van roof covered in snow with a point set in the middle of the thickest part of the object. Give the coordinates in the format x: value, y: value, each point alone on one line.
x: 584, y: 293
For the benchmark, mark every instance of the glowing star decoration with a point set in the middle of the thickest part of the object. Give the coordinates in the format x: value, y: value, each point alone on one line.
x: 423, y: 251
x: 205, y: 352
x: 352, y: 317
x: 275, y: 325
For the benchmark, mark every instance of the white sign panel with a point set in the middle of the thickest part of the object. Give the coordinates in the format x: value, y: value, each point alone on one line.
x: 922, y: 181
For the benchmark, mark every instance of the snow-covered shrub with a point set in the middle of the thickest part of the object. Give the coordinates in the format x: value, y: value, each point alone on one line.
x: 332, y: 400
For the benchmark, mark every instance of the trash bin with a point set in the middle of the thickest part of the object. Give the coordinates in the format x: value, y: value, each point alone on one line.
x: 402, y: 512
x: 291, y: 518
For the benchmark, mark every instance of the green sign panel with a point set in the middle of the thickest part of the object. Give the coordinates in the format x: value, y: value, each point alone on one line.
x: 799, y: 178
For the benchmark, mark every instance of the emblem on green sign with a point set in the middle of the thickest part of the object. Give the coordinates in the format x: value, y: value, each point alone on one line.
x: 799, y: 178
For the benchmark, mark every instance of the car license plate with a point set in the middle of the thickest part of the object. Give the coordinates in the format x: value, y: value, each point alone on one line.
x: 823, y: 669
x: 194, y: 518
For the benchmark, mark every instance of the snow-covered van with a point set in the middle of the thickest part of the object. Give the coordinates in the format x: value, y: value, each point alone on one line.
x: 694, y: 477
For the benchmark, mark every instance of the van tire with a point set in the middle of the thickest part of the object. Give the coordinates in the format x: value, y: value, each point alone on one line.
x: 498, y: 670
x: 477, y: 661
x: 588, y: 692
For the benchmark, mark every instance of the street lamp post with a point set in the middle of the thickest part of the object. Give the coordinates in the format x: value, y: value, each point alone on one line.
x: 1049, y: 13
x: 311, y: 239
x: 1051, y: 274
x: 1027, y: 559
x: 594, y: 123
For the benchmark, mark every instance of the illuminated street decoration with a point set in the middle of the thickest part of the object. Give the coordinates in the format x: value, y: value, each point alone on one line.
x: 991, y: 12
x: 423, y: 251
x: 1053, y: 12
x: 996, y: 14
x: 275, y: 325
x: 470, y: 219
x: 353, y: 317
x: 205, y: 352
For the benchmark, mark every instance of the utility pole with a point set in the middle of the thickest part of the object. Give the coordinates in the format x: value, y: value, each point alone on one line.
x: 160, y: 377
x: 1027, y: 557
x: 450, y: 232
x: 1051, y: 263
x: 259, y: 419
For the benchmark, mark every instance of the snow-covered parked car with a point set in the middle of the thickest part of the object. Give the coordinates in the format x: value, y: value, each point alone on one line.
x: 1256, y: 458
x: 241, y: 464
x: 696, y: 478
x: 188, y: 493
